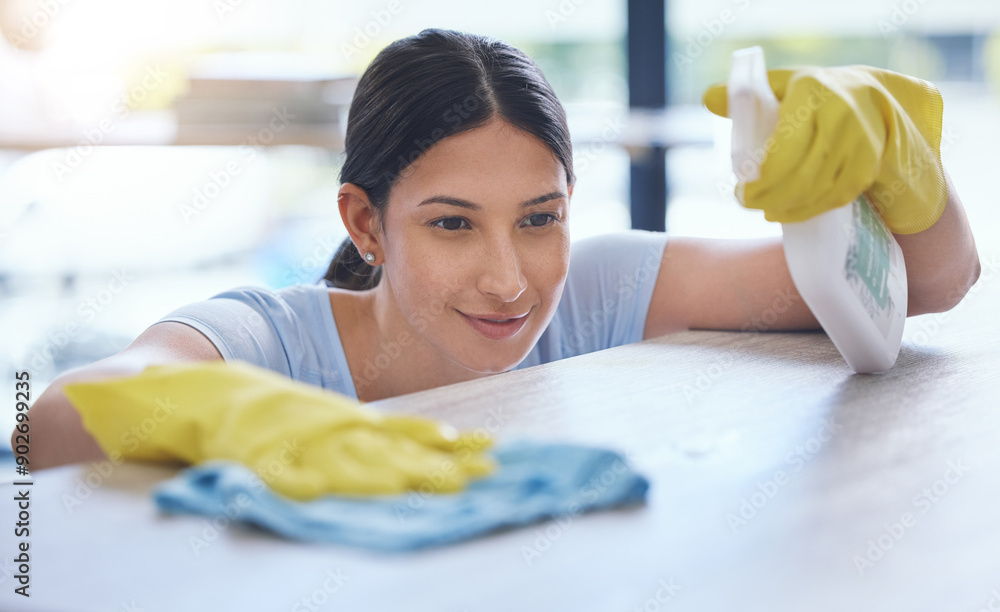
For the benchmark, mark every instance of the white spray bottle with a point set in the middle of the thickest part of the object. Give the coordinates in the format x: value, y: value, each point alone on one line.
x: 845, y: 263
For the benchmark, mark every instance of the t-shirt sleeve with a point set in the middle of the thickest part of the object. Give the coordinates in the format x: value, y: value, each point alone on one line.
x: 243, y: 323
x: 606, y: 297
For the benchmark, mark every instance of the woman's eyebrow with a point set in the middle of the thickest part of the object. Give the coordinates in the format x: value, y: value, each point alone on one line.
x: 442, y: 199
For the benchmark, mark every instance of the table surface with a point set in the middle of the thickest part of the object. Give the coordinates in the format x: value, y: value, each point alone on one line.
x: 779, y: 481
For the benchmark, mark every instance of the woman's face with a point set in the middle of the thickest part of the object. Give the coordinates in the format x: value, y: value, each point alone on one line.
x: 476, y: 229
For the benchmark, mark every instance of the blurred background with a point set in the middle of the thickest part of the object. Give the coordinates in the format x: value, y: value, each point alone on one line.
x: 156, y: 153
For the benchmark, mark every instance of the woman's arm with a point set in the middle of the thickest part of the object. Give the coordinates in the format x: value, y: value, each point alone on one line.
x: 745, y: 284
x: 942, y: 262
x: 57, y: 432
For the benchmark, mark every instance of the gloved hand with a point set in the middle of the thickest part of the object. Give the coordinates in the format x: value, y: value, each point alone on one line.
x: 843, y: 131
x: 301, y: 440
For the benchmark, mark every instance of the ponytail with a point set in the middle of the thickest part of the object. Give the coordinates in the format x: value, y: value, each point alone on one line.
x: 349, y: 271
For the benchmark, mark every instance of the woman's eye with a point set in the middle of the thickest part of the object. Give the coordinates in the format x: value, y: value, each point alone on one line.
x: 540, y: 219
x: 451, y: 223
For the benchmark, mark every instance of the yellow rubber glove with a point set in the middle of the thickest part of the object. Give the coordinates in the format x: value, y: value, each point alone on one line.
x: 302, y: 440
x: 843, y: 131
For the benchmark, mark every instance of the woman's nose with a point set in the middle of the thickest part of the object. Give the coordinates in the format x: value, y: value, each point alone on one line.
x: 501, y: 275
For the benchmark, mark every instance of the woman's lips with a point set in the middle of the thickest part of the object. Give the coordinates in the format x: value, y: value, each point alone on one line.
x: 489, y: 327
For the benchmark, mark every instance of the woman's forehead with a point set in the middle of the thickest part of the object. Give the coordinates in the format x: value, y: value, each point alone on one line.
x: 494, y: 158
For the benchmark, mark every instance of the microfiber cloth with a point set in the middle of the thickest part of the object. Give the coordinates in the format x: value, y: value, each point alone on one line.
x: 6, y: 454
x: 534, y: 480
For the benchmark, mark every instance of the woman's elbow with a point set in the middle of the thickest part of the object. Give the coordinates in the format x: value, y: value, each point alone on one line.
x: 948, y: 292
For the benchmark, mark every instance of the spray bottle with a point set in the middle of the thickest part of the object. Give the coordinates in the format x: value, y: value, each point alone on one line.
x: 845, y: 263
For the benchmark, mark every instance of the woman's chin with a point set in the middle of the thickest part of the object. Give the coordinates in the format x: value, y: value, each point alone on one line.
x: 495, y: 367
x: 494, y: 363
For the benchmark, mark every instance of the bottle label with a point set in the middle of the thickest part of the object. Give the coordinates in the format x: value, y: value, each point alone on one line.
x: 867, y: 266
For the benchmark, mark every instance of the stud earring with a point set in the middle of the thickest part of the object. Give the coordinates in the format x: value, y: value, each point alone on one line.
x: 369, y: 256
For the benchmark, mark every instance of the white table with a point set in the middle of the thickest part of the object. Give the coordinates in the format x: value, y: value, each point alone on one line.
x: 712, y: 418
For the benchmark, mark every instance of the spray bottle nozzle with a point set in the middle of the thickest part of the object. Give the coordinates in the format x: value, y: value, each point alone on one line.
x: 753, y: 109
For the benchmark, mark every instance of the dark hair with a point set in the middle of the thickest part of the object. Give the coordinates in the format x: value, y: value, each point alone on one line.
x: 422, y: 89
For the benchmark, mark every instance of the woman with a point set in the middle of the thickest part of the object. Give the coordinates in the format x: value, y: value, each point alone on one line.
x: 455, y: 192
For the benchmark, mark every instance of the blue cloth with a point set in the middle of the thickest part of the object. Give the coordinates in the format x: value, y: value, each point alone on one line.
x: 8, y: 463
x: 292, y: 331
x: 534, y: 481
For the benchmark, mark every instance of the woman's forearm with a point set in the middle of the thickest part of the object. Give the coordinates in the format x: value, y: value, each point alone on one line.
x: 57, y: 433
x: 941, y: 262
x: 56, y: 429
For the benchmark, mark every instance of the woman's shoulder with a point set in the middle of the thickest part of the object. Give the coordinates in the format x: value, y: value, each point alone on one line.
x: 291, y: 296
x: 606, y: 296
x: 617, y: 253
x: 288, y: 330
x: 630, y: 240
x: 253, y: 308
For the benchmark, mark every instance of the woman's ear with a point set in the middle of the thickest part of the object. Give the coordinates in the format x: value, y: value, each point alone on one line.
x: 358, y: 215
